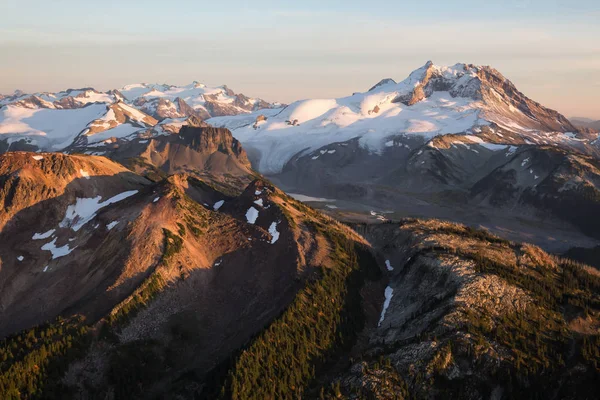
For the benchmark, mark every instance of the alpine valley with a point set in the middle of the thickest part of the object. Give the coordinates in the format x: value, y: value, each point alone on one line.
x: 436, y: 237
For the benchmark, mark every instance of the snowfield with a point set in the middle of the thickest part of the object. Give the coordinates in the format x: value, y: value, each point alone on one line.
x: 57, y: 252
x: 301, y: 197
x: 120, y: 132
x: 323, y: 122
x: 251, y: 215
x: 49, y: 129
x: 389, y: 292
x: 377, y: 116
x: 388, y: 265
x: 45, y: 235
x: 85, y: 209
x: 274, y: 233
x: 243, y: 119
x: 193, y: 94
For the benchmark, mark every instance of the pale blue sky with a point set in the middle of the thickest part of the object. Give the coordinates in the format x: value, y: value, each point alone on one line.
x: 549, y: 49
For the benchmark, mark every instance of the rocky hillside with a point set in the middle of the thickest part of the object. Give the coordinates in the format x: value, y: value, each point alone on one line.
x: 143, y: 255
x: 435, y: 145
x: 586, y: 123
x: 206, y: 152
x: 468, y: 315
x: 550, y: 179
x: 118, y: 286
x: 124, y: 269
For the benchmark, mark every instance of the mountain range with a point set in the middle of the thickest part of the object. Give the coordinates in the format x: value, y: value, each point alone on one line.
x: 586, y: 123
x: 420, y: 239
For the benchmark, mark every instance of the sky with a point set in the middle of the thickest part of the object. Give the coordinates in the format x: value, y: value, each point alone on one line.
x: 286, y: 51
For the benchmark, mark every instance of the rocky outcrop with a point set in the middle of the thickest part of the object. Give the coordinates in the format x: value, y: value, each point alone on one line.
x: 494, y: 84
x: 161, y: 108
x: 484, y: 83
x: 463, y: 313
x: 196, y: 122
x: 34, y: 102
x: 386, y: 81
x: 208, y: 140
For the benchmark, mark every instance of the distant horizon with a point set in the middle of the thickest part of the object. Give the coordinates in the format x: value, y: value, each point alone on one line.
x: 283, y: 53
x: 589, y: 118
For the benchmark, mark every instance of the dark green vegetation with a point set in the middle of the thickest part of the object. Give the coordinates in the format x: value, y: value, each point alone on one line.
x: 33, y: 362
x: 322, y: 322
x: 310, y: 341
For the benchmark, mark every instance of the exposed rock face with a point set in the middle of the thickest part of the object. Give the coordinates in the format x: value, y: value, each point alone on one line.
x: 118, y: 113
x: 209, y: 140
x: 43, y: 198
x: 459, y: 300
x: 493, y: 83
x: 586, y: 124
x: 196, y: 122
x: 568, y: 185
x: 162, y: 108
x: 178, y: 266
x: 382, y: 82
x: 257, y: 122
x: 34, y: 102
x: 27, y: 179
x: 210, y: 153
x: 488, y: 85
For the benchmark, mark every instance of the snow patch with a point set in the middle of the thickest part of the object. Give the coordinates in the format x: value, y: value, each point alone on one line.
x: 251, y: 215
x: 112, y: 225
x: 389, y: 292
x: 388, y: 265
x: 85, y: 209
x: 57, y: 252
x: 45, y: 235
x: 218, y: 204
x: 259, y: 202
x: 273, y: 232
x: 301, y: 197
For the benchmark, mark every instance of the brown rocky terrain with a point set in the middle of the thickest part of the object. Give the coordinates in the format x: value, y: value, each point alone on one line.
x: 120, y: 113
x: 473, y: 316
x: 587, y: 124
x: 179, y: 289
x: 499, y: 96
x: 207, y: 152
x: 217, y: 268
x: 161, y: 108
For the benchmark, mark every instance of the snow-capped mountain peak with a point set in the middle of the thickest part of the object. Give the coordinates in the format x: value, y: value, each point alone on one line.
x: 433, y: 100
x: 53, y: 121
